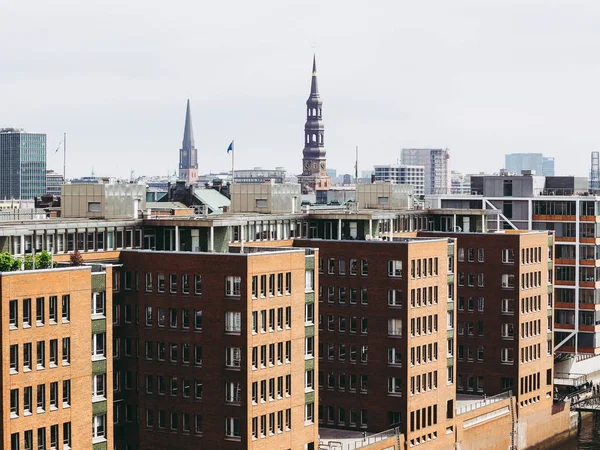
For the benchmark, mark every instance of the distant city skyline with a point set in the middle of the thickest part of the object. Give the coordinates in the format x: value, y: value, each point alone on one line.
x: 118, y: 89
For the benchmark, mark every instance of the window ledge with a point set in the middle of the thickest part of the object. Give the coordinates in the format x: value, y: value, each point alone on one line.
x: 67, y: 321
x: 53, y: 408
x: 98, y: 398
x: 233, y: 438
x: 98, y: 358
x: 14, y: 415
x: 40, y: 410
x: 97, y: 440
x: 98, y: 316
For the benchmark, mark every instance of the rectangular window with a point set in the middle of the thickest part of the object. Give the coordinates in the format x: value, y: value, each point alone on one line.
x: 161, y: 282
x: 232, y: 427
x: 14, y: 403
x: 233, y: 322
x: 395, y: 268
x: 41, y: 439
x: 185, y: 284
x: 67, y: 434
x: 53, y: 353
x: 198, y: 319
x: 99, y: 428
x: 66, y: 308
x: 98, y: 345
x: 148, y: 282
x: 233, y: 286
x: 41, y: 398
x: 66, y: 391
x: 98, y: 304
x: 41, y: 354
x: 39, y: 311
x: 395, y: 327
x: 26, y: 313
x: 14, y: 313
x: 27, y: 357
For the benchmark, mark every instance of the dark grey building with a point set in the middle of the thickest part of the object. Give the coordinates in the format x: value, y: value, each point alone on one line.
x: 22, y: 164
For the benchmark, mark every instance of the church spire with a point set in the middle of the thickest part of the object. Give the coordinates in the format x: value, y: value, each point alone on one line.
x: 314, y: 87
x: 188, y: 156
x: 314, y: 176
x: 188, y: 132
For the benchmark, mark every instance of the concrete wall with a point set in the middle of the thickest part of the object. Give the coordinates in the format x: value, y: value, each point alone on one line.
x: 114, y: 201
x: 384, y: 196
x: 268, y: 198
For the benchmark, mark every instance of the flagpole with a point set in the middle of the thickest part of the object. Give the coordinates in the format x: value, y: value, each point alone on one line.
x: 232, y: 162
x: 356, y: 167
x: 65, y: 158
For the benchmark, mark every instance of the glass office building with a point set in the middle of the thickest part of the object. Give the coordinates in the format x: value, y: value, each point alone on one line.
x: 22, y: 164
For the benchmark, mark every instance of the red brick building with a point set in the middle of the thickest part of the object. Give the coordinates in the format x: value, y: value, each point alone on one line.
x: 386, y: 327
x: 504, y: 307
x: 216, y: 350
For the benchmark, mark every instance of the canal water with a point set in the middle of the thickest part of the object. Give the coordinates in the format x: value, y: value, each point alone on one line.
x: 588, y: 437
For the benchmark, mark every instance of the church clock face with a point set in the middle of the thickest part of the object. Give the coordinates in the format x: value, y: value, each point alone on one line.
x: 322, y: 165
x: 306, y: 165
x: 184, y: 153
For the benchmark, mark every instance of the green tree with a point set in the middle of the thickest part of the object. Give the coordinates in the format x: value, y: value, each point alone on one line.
x: 8, y: 263
x: 43, y: 260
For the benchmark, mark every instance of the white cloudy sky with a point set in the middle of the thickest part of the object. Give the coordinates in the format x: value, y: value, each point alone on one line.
x: 482, y: 77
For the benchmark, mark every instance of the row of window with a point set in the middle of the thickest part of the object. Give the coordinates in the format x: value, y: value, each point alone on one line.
x: 345, y: 323
x: 275, y: 353
x: 41, y: 403
x: 471, y: 279
x: 426, y: 296
x: 531, y: 353
x: 349, y: 295
x: 351, y: 417
x: 174, y: 386
x: 276, y: 318
x: 177, y: 421
x: 531, y: 328
x: 530, y: 255
x: 341, y: 352
x: 423, y: 418
x: 423, y: 325
x: 41, y: 318
x: 276, y: 388
x: 174, y: 315
x: 273, y: 287
x: 174, y: 352
x: 353, y: 266
x: 470, y: 353
x: 531, y: 280
x: 473, y: 383
x: 16, y: 443
x: 470, y: 304
x: 423, y: 354
x: 530, y: 383
x: 40, y: 355
x: 351, y: 381
x: 533, y: 304
x: 283, y: 423
x: 470, y: 326
x: 429, y: 267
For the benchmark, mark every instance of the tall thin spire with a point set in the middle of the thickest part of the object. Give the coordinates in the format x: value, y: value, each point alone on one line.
x: 188, y: 155
x: 314, y: 87
x: 188, y: 132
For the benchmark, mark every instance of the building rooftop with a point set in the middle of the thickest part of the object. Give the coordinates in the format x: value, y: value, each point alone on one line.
x: 336, y: 439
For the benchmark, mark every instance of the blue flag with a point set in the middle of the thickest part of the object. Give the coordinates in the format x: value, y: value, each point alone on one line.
x: 230, y: 148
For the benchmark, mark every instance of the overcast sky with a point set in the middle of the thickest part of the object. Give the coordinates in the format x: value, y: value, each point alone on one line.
x: 482, y: 77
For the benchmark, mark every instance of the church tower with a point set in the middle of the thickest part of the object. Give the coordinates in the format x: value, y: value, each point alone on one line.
x: 188, y: 156
x: 314, y: 178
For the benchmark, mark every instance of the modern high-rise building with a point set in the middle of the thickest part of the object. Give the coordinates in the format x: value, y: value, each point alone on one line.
x: 402, y: 174
x: 22, y: 164
x: 188, y: 156
x: 595, y: 173
x: 314, y: 177
x: 435, y: 162
x: 516, y: 163
x: 564, y: 206
x: 54, y: 183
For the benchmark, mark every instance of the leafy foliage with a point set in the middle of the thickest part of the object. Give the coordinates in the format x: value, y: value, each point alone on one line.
x: 76, y: 258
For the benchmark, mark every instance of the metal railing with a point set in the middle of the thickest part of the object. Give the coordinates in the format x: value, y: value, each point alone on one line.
x: 349, y: 444
x: 483, y: 402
